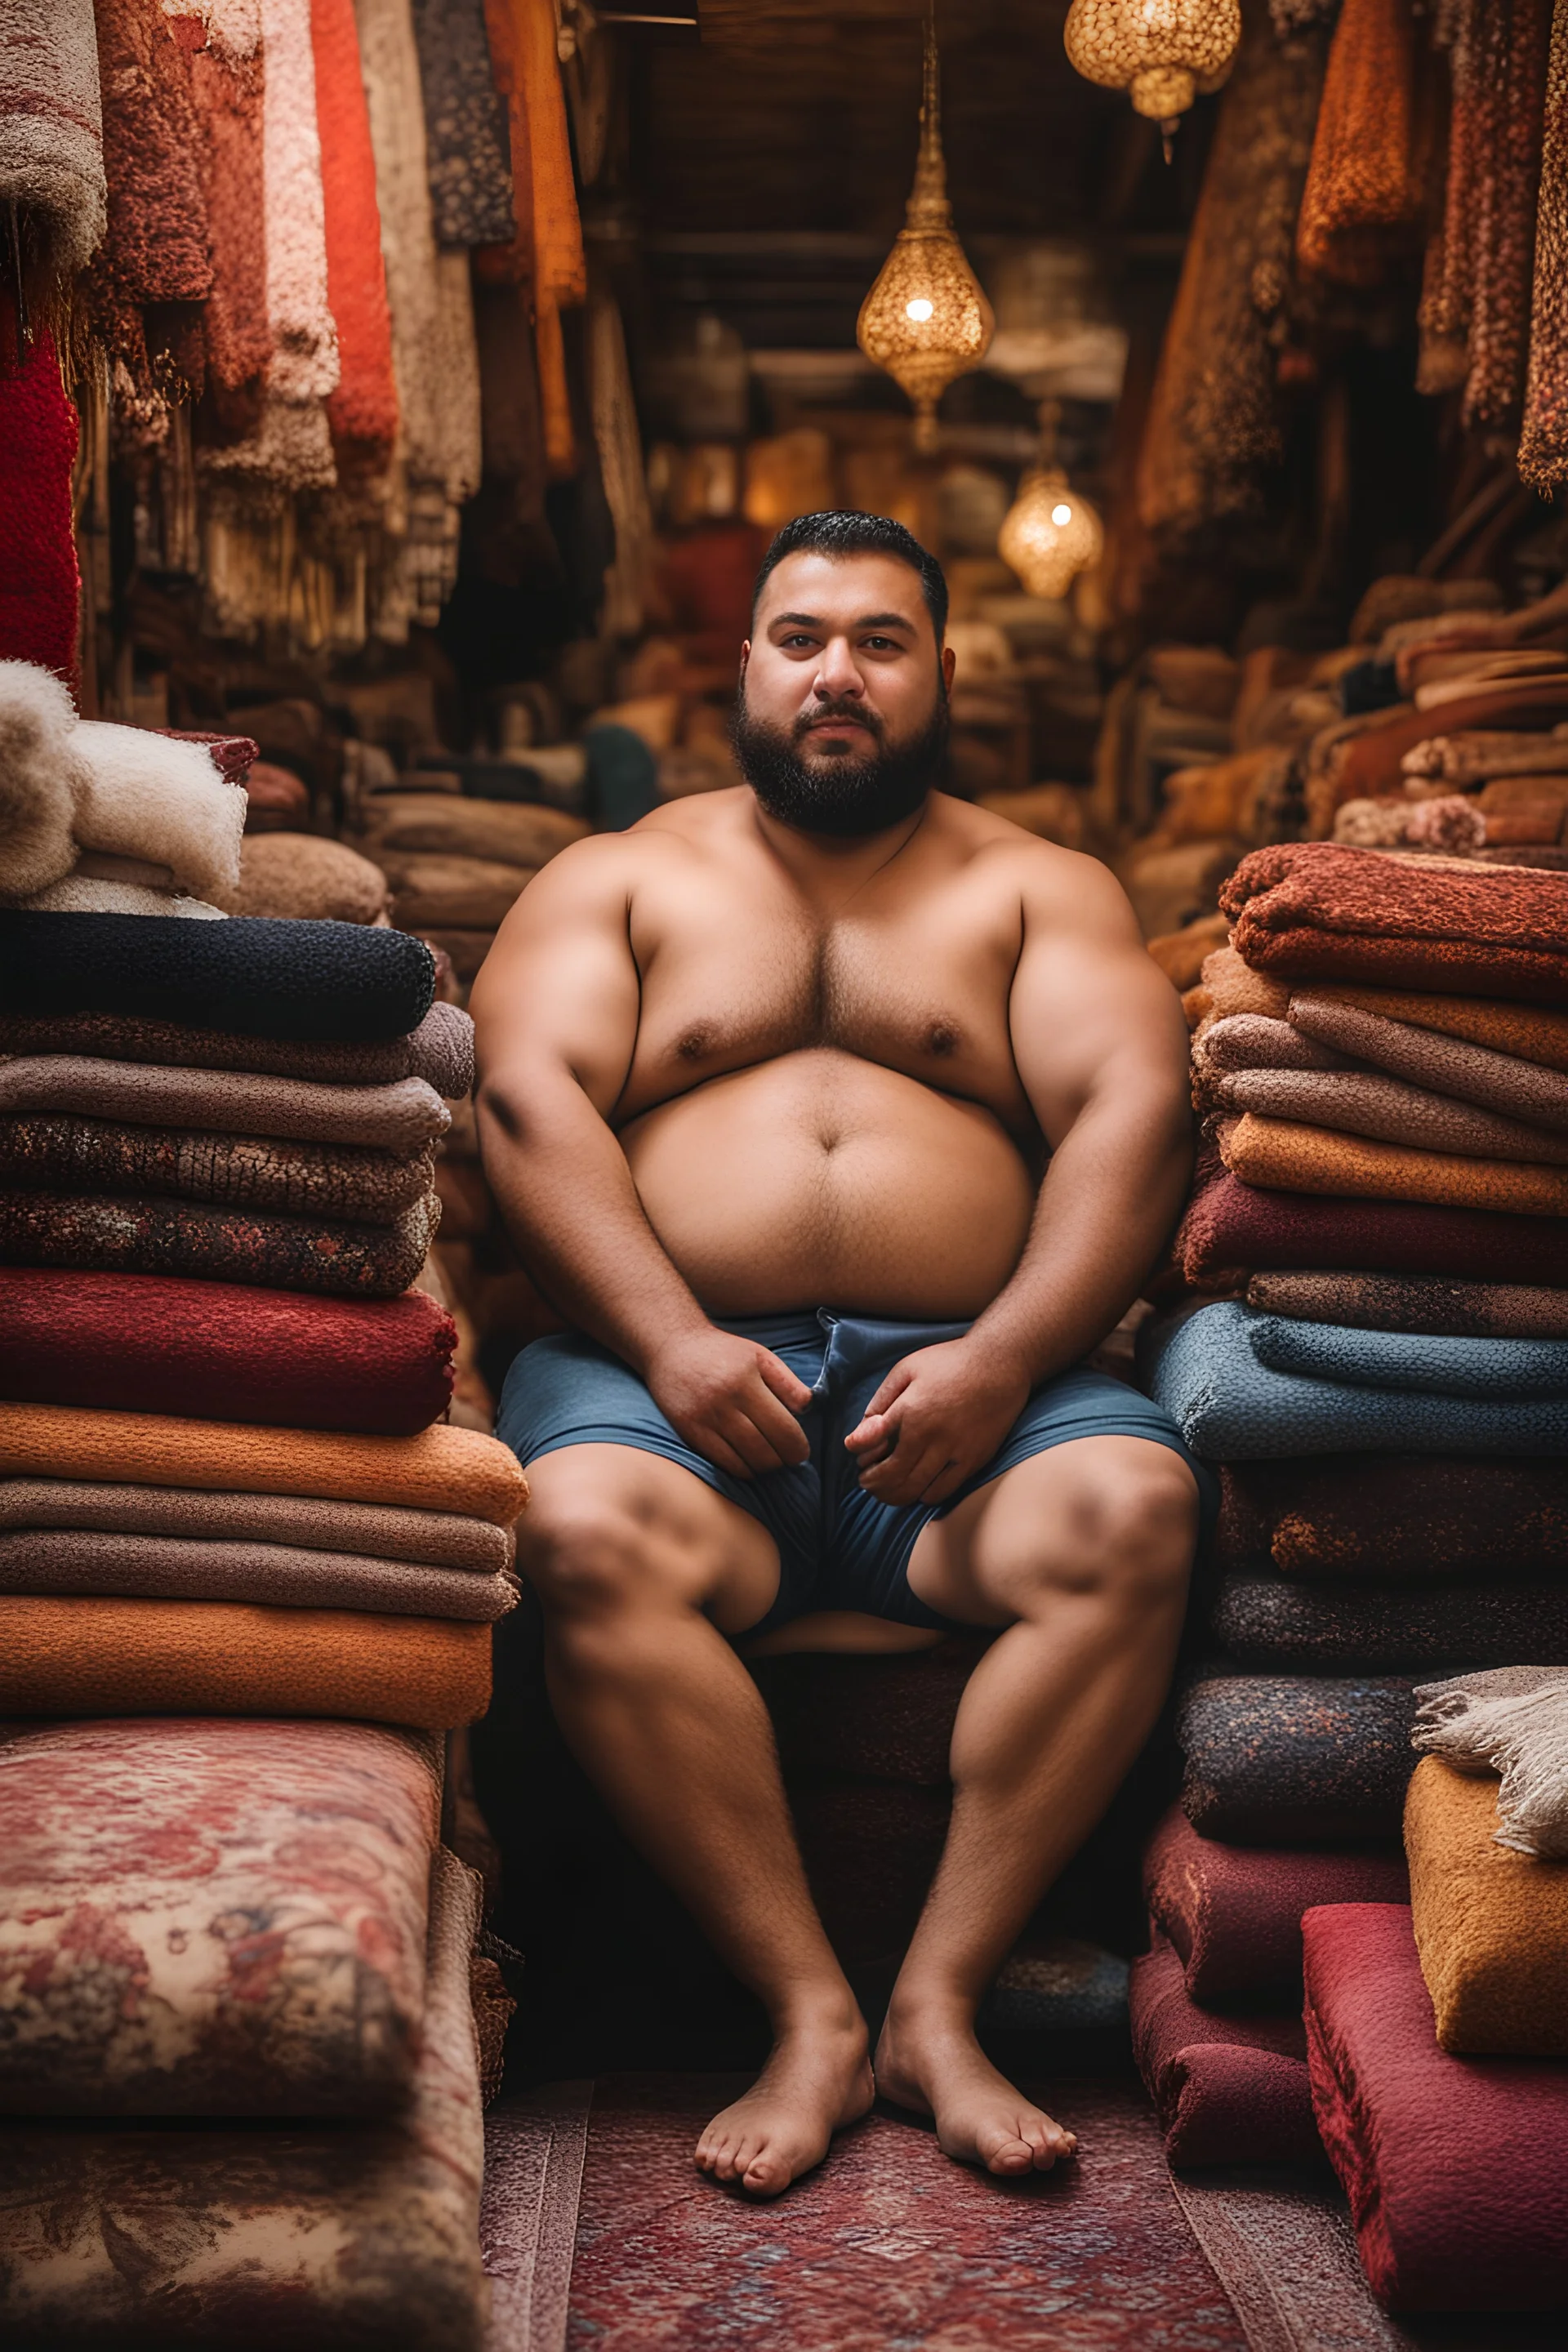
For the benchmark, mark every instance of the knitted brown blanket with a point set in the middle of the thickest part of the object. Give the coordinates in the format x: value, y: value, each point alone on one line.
x: 1315, y: 910
x: 1502, y: 1082
x: 281, y: 1576
x: 1415, y: 1516
x: 1282, y: 1155
x: 1253, y: 1041
x: 1524, y: 1031
x: 440, y: 1051
x: 442, y: 1469
x: 237, y: 1171
x: 1364, y: 1102
x: 404, y: 1116
x: 188, y: 1237
x: 1388, y: 1302
x: 379, y: 1532
x: 98, y: 1656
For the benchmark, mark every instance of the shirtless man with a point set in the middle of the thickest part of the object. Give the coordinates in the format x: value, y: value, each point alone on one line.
x: 769, y: 1086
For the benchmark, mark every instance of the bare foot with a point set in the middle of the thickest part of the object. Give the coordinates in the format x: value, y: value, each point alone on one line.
x: 935, y: 2066
x: 817, y: 2080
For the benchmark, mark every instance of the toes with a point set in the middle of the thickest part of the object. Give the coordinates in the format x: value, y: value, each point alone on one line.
x: 1011, y: 2156
x: 766, y: 2176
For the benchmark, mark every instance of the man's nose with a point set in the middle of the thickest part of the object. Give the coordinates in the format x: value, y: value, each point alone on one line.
x: 838, y: 672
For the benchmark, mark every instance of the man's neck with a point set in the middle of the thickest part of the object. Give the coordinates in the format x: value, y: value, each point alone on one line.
x: 835, y: 865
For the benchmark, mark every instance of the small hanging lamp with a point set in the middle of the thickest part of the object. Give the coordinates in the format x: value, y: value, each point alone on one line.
x: 1050, y: 533
x: 1161, y: 52
x: 926, y: 320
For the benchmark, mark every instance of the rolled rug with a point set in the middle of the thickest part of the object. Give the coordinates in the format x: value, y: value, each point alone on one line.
x: 103, y: 1656
x: 1280, y: 1155
x: 1490, y: 1925
x: 1311, y: 911
x: 440, y: 1050
x: 106, y: 1235
x: 454, y: 893
x: 1507, y: 1082
x: 1512, y: 1720
x: 213, y: 1918
x: 1284, y: 1624
x: 1436, y: 1364
x: 1372, y: 763
x: 1405, y: 2124
x: 1524, y: 1032
x: 225, y: 1350
x: 1230, y: 2089
x: 403, y: 1116
x: 1415, y: 1516
x: 100, y: 1562
x: 444, y: 824
x: 1230, y: 1406
x: 1232, y: 1229
x: 382, y: 1532
x: 1378, y: 1302
x: 1296, y: 1759
x: 1366, y: 1103
x: 1233, y: 1914
x: 253, y: 2235
x: 338, y: 1180
x: 442, y: 1469
x: 343, y: 983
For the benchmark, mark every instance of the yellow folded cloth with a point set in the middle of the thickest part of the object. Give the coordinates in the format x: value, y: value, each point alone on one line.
x: 1492, y: 1924
x: 1283, y: 1156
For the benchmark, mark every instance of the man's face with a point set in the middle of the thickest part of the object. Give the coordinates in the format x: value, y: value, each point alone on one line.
x: 842, y: 719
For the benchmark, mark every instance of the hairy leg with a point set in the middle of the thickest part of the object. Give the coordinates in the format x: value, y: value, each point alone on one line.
x: 1083, y: 1554
x: 642, y: 1570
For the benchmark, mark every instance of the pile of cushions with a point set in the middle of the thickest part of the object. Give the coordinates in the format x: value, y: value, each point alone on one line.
x: 1438, y: 2030
x: 1373, y: 1352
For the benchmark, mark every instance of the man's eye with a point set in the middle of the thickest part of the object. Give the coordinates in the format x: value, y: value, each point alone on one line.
x: 798, y: 639
x: 881, y: 644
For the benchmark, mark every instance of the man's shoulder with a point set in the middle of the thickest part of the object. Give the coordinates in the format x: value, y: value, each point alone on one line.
x: 1063, y: 889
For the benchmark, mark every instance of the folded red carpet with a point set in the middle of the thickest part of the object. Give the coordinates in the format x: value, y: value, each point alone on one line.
x: 324, y: 2237
x: 1232, y: 1229
x: 1455, y: 2168
x: 1233, y: 1914
x: 1286, y: 1625
x: 187, y: 1237
x: 213, y: 1918
x: 81, y: 1657
x: 1417, y: 1515
x: 225, y: 1350
x: 1315, y: 910
x: 1296, y: 1759
x: 1229, y: 2089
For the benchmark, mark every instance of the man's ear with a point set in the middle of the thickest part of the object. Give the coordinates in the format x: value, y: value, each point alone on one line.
x: 949, y: 663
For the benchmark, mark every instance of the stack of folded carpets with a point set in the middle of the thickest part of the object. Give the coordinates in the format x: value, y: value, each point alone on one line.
x: 1382, y: 1380
x: 218, y: 1189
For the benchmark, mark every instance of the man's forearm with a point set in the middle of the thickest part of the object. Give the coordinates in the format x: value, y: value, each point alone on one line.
x: 1110, y: 1199
x: 563, y: 1185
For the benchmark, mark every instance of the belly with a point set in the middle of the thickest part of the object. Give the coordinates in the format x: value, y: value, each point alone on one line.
x: 821, y: 1179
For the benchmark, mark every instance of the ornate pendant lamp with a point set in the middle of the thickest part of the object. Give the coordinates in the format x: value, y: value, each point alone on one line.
x: 926, y: 320
x: 1050, y: 534
x: 1161, y: 52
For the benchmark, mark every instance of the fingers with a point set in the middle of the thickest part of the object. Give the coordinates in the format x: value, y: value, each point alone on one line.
x: 756, y: 1447
x: 895, y: 1384
x: 873, y: 1438
x: 912, y: 1476
x: 782, y: 1381
x: 775, y: 1424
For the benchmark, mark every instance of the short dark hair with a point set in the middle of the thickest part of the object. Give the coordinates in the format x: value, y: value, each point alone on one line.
x: 838, y: 533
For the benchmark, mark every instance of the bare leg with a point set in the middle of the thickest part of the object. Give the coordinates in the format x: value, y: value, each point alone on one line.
x: 628, y: 1552
x: 1086, y: 1549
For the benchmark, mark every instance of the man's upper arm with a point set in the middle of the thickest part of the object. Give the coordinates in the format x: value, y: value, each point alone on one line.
x: 560, y: 987
x: 1089, y: 1012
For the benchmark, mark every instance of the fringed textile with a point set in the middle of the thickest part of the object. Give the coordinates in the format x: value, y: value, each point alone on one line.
x: 51, y: 128
x: 1513, y: 66
x: 621, y: 467
x: 1543, y: 444
x: 226, y: 77
x: 362, y: 411
x: 466, y: 127
x: 1364, y: 193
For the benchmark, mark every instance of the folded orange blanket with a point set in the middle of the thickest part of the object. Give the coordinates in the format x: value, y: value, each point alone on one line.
x: 1311, y: 911
x: 1491, y: 1925
x: 1366, y: 1103
x: 78, y: 1658
x: 1526, y: 1031
x: 1281, y: 1156
x: 442, y: 1469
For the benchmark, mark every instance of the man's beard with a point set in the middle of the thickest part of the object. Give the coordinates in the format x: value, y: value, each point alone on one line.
x: 845, y: 796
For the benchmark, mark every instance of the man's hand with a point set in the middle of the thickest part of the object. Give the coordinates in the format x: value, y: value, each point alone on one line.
x: 938, y: 1417
x: 736, y: 1402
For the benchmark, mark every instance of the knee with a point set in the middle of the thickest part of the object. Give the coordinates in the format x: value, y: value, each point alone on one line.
x: 1127, y: 1543
x: 587, y: 1556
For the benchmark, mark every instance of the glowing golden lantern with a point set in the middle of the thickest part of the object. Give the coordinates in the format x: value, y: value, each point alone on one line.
x: 1050, y: 533
x: 926, y: 320
x: 1161, y: 52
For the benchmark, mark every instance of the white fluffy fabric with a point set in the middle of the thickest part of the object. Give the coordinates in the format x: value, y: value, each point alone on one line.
x: 40, y: 779
x: 1512, y: 1720
x: 81, y: 894
x: 146, y: 796
x: 52, y: 124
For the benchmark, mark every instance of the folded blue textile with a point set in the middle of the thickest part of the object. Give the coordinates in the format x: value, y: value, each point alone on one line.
x: 1231, y: 1407
x: 1405, y: 1360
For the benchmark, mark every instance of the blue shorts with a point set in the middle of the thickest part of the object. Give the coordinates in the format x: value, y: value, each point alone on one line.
x: 838, y: 1547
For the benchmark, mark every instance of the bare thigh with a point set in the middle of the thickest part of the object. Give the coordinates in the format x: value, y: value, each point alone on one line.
x: 1115, y: 1515
x: 610, y: 1524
